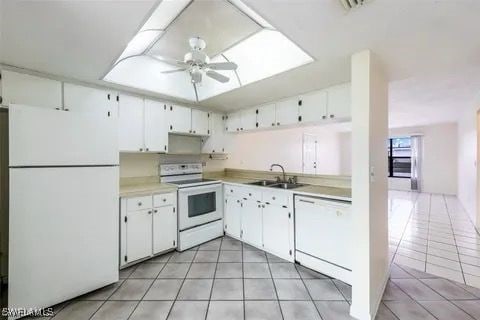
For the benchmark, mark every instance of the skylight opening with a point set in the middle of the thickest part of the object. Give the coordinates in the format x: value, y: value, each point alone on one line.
x: 140, y: 43
x: 266, y: 52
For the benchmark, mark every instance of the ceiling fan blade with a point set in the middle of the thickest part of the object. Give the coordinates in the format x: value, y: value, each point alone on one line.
x: 174, y: 70
x: 173, y: 62
x: 217, y: 76
x: 222, y: 65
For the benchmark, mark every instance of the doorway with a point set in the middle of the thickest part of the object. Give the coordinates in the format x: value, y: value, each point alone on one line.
x: 309, y: 164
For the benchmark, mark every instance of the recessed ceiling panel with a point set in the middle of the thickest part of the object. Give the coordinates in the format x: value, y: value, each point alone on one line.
x: 219, y: 23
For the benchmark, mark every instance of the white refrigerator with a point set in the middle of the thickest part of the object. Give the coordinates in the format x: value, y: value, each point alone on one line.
x: 63, y: 219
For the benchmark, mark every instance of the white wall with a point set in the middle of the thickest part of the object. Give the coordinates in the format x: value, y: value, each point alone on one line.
x: 440, y: 163
x: 258, y: 150
x: 467, y: 161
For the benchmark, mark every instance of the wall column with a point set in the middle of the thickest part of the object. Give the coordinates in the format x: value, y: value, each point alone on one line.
x: 369, y: 184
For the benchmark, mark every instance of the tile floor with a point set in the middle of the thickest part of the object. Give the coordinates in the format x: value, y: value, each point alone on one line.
x: 225, y: 279
x: 433, y: 233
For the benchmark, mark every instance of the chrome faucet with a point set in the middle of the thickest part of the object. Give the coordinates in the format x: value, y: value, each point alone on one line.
x: 283, y: 170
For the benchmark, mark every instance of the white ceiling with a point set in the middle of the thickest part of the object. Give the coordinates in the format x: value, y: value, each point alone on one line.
x: 430, y: 48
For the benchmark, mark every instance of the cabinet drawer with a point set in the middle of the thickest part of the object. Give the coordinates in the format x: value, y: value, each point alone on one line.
x: 277, y: 198
x: 253, y: 194
x: 235, y: 191
x: 164, y: 199
x: 139, y: 203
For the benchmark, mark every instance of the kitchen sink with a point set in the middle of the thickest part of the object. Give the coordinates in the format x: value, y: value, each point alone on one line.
x: 263, y: 183
x: 286, y: 185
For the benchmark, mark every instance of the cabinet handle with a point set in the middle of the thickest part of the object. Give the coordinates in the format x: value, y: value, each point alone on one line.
x: 339, y: 213
x: 332, y: 116
x: 245, y: 199
x: 249, y: 194
x: 66, y: 109
x: 324, y: 117
x: 150, y: 212
x: 273, y: 198
x: 146, y: 149
x: 194, y: 131
x: 164, y: 199
x: 189, y: 131
x: 155, y: 211
x: 259, y: 206
x: 139, y: 203
x: 273, y: 124
x: 141, y: 149
x: 278, y: 123
x: 267, y: 203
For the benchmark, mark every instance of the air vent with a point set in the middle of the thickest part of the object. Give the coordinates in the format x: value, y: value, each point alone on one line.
x: 351, y: 4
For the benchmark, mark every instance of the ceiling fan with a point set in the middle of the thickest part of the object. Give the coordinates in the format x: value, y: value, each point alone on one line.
x: 196, y: 62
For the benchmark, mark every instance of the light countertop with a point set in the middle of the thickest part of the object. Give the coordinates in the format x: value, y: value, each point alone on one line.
x: 142, y: 189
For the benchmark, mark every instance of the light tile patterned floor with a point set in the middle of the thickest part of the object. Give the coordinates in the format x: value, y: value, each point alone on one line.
x: 225, y: 279
x: 433, y: 233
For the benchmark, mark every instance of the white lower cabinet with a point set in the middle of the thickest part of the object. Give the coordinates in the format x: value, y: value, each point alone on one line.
x: 232, y: 222
x: 277, y: 234
x: 138, y: 234
x: 252, y: 222
x: 164, y: 228
x: 260, y: 217
x: 148, y: 226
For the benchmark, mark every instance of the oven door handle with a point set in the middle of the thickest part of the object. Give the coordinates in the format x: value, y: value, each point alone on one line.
x: 201, y: 189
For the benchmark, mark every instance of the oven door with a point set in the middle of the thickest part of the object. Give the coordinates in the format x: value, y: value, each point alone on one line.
x: 199, y: 205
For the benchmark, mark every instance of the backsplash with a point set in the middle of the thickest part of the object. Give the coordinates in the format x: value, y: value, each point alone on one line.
x: 146, y: 164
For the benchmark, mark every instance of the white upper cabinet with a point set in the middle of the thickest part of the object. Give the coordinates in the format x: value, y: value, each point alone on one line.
x: 313, y: 106
x: 84, y: 99
x: 216, y: 142
x: 339, y: 102
x: 180, y: 119
x: 286, y: 112
x: 19, y: 88
x: 200, y: 122
x: 155, y: 129
x: 131, y: 126
x: 249, y: 119
x: 266, y: 116
x: 234, y: 122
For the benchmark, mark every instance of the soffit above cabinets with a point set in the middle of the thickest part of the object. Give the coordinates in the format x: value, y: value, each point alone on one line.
x: 232, y: 31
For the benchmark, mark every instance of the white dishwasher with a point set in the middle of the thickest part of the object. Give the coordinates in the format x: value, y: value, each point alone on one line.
x: 323, y: 236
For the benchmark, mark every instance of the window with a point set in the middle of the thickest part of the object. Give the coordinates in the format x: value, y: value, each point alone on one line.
x: 399, y: 157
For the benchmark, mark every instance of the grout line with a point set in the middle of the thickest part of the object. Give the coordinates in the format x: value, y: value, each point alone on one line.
x: 455, y: 240
x: 176, y: 297
x: 213, y: 280
x: 275, y: 288
x: 428, y: 230
x: 382, y: 302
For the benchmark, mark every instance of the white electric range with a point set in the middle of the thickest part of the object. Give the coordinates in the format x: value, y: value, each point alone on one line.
x: 200, y: 205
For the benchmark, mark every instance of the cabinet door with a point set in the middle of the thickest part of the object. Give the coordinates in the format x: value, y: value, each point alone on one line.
x: 252, y: 223
x: 339, y: 102
x: 286, y: 112
x: 232, y: 217
x: 200, y: 122
x: 266, y: 116
x: 180, y: 119
x: 276, y: 230
x: 85, y: 99
x: 19, y: 88
x: 249, y: 119
x: 164, y: 228
x: 139, y: 234
x: 313, y: 106
x: 234, y: 122
x: 130, y: 123
x: 214, y: 143
x: 156, y: 132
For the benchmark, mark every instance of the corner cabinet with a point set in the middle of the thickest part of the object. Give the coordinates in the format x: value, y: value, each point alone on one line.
x: 142, y: 125
x: 261, y: 218
x: 216, y: 142
x: 148, y: 226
